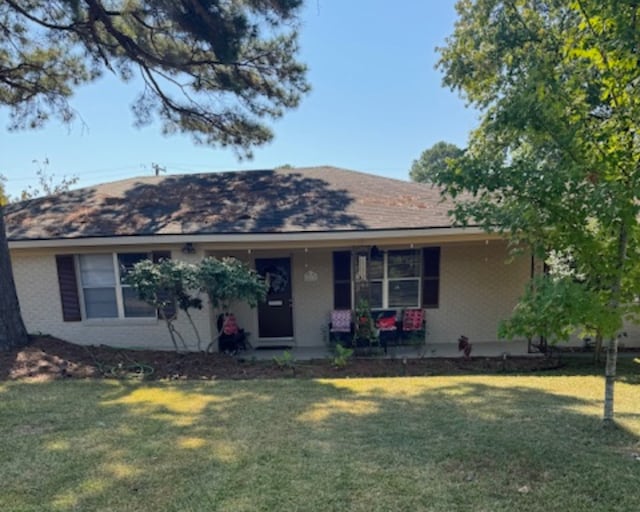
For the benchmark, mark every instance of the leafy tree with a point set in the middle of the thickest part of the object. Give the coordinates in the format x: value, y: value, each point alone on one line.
x: 211, y: 68
x: 228, y: 280
x: 165, y: 285
x: 169, y: 283
x: 555, y: 160
x: 433, y: 160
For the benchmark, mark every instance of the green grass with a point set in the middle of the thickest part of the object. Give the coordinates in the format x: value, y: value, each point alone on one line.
x: 475, y: 443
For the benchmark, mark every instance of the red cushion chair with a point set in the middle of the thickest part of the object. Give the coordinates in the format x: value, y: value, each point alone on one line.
x: 413, y: 320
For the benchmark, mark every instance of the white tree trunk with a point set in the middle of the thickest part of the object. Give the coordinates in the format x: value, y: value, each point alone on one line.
x: 610, y: 379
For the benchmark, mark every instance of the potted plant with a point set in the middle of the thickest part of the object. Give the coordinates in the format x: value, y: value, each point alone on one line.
x: 365, y: 332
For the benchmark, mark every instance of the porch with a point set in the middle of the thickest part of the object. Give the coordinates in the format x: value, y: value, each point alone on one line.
x: 463, y: 287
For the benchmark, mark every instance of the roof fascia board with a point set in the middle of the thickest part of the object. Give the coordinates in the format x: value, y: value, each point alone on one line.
x: 266, y: 239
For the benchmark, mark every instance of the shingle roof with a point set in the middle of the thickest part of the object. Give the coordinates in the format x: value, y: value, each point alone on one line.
x: 284, y: 200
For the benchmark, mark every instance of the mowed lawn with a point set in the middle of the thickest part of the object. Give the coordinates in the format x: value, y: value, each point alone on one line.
x: 473, y: 443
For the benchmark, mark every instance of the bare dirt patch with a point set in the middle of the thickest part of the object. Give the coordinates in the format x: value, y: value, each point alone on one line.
x: 50, y: 358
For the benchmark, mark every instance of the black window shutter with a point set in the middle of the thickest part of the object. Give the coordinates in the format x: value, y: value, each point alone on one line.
x: 170, y: 310
x: 68, y: 285
x: 431, y: 277
x: 342, y: 280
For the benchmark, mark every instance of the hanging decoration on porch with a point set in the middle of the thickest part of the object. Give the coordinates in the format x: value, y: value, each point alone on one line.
x: 309, y: 275
x: 361, y: 274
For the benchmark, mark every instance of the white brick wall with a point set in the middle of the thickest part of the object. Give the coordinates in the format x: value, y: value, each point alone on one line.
x: 37, y: 285
x: 478, y: 288
x: 312, y: 301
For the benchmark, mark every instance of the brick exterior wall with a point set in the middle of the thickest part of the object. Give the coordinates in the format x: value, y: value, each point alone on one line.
x: 477, y: 290
x: 39, y: 296
x: 312, y: 300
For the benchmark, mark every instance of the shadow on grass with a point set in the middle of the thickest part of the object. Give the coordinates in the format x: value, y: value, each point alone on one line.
x: 371, y: 444
x: 628, y: 367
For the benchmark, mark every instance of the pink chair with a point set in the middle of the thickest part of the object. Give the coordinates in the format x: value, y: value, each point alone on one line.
x: 341, y: 326
x: 413, y: 323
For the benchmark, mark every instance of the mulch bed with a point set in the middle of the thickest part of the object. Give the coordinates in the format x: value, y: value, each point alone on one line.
x: 48, y: 358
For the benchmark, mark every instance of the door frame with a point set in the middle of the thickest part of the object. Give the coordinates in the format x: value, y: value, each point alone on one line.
x: 261, y: 341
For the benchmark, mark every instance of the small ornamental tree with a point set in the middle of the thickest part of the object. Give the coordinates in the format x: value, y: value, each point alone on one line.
x: 172, y: 283
x: 229, y: 280
x: 164, y: 286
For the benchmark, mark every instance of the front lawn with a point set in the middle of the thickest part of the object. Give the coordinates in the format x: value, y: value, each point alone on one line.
x: 467, y: 443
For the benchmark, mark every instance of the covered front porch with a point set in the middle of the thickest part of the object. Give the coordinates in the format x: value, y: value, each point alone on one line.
x: 464, y: 286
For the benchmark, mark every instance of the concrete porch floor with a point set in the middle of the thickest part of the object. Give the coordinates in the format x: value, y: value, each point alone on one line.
x: 480, y: 349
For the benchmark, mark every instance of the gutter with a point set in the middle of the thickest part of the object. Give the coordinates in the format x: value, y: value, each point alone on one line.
x: 305, y: 239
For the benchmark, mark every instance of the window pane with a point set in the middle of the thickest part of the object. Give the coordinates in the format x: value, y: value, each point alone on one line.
x: 404, y: 293
x: 96, y: 270
x: 126, y: 262
x: 376, y: 266
x: 375, y: 295
x: 404, y: 264
x: 134, y: 307
x: 100, y: 303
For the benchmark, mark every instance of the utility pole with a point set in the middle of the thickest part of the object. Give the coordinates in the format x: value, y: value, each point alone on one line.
x: 157, y: 168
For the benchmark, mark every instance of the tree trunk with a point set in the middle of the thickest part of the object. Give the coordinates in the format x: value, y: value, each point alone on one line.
x: 610, y: 379
x: 597, y: 349
x: 12, y: 330
x: 612, y: 346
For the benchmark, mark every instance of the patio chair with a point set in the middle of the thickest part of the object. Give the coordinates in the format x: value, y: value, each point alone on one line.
x: 231, y: 339
x: 341, y: 327
x: 387, y: 325
x: 413, y: 324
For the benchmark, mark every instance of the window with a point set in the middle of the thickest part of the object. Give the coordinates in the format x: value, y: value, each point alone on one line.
x: 408, y: 278
x: 104, y: 291
x: 394, y: 279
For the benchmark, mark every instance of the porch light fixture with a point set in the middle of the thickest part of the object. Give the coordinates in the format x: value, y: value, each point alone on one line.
x: 188, y: 248
x: 375, y: 252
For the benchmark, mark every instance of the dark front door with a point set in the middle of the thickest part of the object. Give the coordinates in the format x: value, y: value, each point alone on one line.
x: 275, y: 314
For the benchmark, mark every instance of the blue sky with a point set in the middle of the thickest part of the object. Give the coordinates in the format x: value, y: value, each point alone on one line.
x: 377, y: 102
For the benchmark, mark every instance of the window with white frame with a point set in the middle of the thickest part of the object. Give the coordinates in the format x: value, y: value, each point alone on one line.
x: 394, y: 279
x: 105, y: 295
